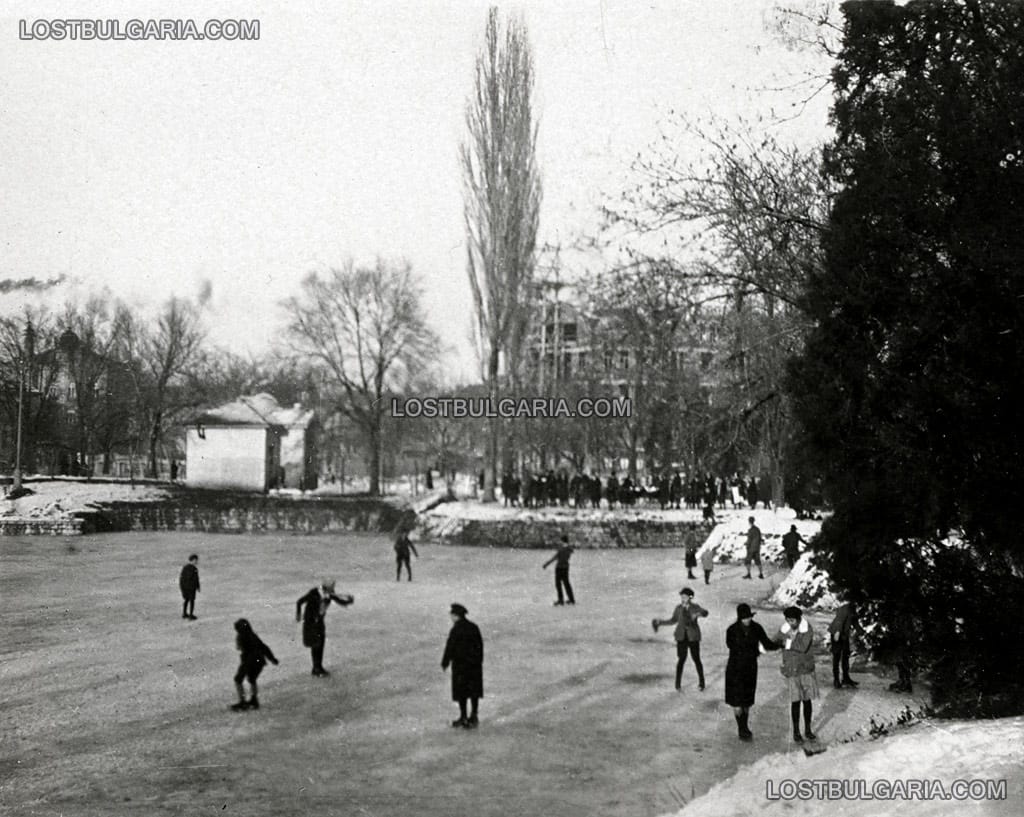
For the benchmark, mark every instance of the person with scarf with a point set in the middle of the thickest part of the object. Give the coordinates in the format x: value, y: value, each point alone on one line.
x: 797, y: 640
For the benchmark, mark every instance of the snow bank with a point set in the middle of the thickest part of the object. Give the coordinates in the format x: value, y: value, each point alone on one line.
x: 942, y: 751
x: 728, y: 541
x: 807, y: 587
x: 61, y: 498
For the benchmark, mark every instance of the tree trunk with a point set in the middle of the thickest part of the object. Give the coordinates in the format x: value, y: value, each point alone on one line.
x: 491, y: 463
x: 154, y: 439
x: 375, y: 443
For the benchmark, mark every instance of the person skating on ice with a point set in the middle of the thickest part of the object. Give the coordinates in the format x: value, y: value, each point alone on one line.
x: 797, y: 640
x: 754, y: 540
x: 745, y: 639
x: 310, y: 610
x: 403, y: 547
x: 188, y: 583
x: 254, y: 655
x: 687, y: 634
x: 464, y: 652
x: 561, y: 560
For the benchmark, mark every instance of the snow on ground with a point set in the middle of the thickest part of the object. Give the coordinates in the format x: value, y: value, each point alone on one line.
x: 60, y: 498
x: 807, y: 587
x: 940, y: 751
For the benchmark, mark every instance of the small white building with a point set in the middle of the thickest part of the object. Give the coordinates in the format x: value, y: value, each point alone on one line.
x: 252, y: 444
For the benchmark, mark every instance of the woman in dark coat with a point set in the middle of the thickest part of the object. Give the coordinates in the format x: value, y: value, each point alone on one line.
x: 465, y: 652
x: 742, y: 638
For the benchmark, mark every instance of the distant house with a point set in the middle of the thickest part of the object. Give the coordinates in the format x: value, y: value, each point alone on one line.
x: 252, y: 444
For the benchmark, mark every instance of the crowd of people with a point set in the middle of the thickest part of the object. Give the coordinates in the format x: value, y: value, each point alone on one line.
x: 464, y: 649
x: 670, y: 490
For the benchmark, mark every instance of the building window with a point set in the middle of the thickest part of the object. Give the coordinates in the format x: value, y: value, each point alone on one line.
x: 569, y: 332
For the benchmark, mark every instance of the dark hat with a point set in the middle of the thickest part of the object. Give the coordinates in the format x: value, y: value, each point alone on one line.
x: 793, y: 612
x: 687, y: 591
x: 242, y: 625
x: 459, y: 610
x: 565, y: 538
x: 744, y: 611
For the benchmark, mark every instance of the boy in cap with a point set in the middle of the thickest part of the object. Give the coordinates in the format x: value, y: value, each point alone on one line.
x: 745, y: 638
x: 254, y: 656
x: 464, y: 650
x: 188, y: 582
x: 687, y: 634
x: 314, y: 631
x: 797, y: 640
x: 561, y: 559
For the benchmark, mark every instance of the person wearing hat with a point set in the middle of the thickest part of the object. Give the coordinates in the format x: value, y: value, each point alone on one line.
x: 310, y: 610
x: 254, y: 656
x: 797, y: 640
x: 744, y: 638
x: 754, y: 540
x: 464, y: 651
x: 687, y: 634
x: 561, y: 560
x: 188, y: 583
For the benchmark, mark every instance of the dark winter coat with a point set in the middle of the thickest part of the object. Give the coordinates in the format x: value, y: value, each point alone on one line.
x: 465, y: 653
x: 255, y: 653
x: 741, y: 668
x: 314, y: 632
x: 403, y: 547
x: 691, y: 555
x: 189, y: 581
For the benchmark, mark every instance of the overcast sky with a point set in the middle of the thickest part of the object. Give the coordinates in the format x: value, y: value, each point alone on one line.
x: 151, y: 167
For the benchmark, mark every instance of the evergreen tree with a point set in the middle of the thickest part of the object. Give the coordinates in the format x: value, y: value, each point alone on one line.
x: 904, y: 388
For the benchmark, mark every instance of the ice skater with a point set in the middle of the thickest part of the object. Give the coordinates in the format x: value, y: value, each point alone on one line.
x: 687, y: 634
x: 797, y: 640
x: 188, y: 582
x: 691, y: 559
x: 310, y: 610
x: 754, y: 540
x: 464, y: 651
x: 403, y: 547
x: 561, y: 560
x: 254, y: 655
x: 744, y: 638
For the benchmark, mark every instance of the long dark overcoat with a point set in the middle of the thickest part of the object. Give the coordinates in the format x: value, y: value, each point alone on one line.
x: 465, y: 653
x: 314, y: 631
x: 741, y: 668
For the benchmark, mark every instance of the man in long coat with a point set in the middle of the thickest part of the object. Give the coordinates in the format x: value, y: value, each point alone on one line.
x: 744, y: 638
x: 465, y: 652
x: 310, y: 610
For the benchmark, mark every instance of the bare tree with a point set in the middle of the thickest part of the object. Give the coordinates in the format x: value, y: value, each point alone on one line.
x: 164, y: 354
x: 367, y: 330
x: 502, y: 204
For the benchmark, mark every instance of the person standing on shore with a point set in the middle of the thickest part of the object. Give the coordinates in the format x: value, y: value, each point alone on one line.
x: 791, y: 546
x: 310, y: 610
x: 464, y: 651
x: 687, y: 634
x: 188, y: 583
x: 745, y: 638
x: 561, y: 560
x: 839, y: 641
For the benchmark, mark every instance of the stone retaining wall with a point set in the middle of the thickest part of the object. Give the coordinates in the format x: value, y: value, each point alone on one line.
x: 215, y: 512
x: 534, y: 533
x: 32, y: 526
